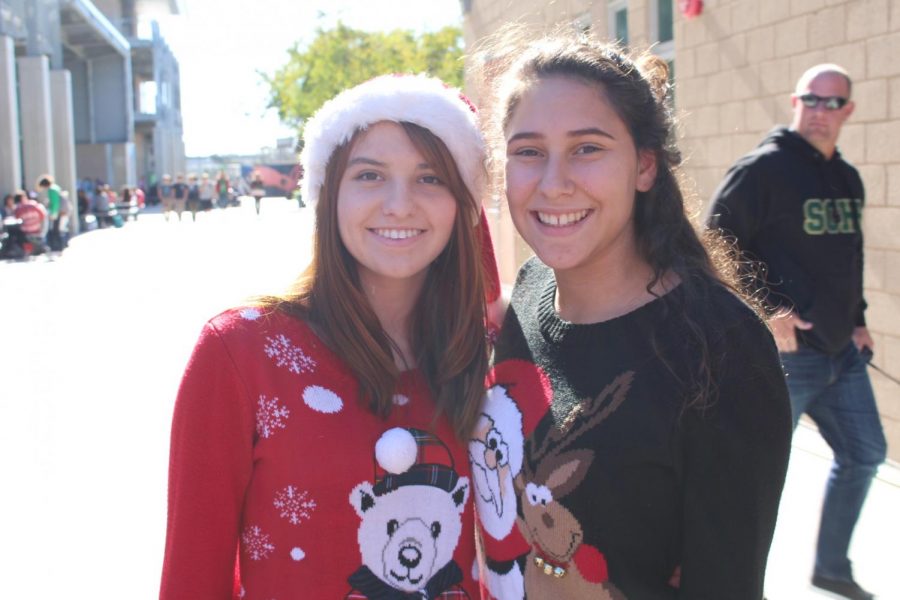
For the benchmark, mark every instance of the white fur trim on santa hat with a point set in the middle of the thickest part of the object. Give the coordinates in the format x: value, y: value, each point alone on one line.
x: 418, y: 99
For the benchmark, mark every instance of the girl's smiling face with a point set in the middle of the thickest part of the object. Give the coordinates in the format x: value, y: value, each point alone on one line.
x: 572, y: 173
x: 395, y: 215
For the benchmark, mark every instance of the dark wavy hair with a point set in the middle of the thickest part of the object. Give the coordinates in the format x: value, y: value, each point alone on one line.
x: 638, y: 90
x: 448, y: 334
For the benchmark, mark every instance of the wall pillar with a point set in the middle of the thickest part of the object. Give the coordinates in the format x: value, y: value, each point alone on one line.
x: 64, y: 140
x: 37, y: 126
x: 10, y: 153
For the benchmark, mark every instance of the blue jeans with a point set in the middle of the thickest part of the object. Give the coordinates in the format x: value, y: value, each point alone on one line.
x: 835, y: 391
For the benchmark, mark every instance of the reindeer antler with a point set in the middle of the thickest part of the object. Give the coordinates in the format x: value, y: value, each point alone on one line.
x: 584, y: 416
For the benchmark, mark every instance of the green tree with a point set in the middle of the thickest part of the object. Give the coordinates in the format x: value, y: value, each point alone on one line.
x: 342, y: 57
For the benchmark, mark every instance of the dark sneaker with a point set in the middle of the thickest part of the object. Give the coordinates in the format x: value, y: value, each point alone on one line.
x: 843, y: 589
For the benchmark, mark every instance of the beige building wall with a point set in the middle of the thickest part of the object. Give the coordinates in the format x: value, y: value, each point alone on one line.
x: 735, y: 67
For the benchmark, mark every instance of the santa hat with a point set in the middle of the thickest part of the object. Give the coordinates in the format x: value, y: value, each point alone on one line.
x: 527, y: 384
x: 407, y: 456
x: 419, y: 99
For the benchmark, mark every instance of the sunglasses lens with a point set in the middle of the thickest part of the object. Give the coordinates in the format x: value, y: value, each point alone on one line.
x: 831, y: 102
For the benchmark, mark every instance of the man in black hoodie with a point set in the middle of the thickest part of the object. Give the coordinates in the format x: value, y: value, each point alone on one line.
x: 795, y: 205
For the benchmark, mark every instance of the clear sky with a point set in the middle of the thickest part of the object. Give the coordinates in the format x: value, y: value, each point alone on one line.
x: 222, y: 44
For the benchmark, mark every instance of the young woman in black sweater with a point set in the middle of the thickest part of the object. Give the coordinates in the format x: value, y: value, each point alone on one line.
x: 635, y: 437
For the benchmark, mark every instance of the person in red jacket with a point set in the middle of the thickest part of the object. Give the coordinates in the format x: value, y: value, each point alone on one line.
x: 319, y: 441
x: 32, y: 213
x: 34, y: 223
x: 140, y: 196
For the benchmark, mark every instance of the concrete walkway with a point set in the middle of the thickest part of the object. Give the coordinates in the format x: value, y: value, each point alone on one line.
x: 875, y: 549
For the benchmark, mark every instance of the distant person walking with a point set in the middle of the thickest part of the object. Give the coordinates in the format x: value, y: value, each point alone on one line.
x: 257, y: 189
x: 796, y: 205
x: 222, y: 186
x: 182, y: 190
x: 193, y: 196
x: 100, y: 205
x: 206, y: 192
x: 167, y: 195
x: 56, y: 211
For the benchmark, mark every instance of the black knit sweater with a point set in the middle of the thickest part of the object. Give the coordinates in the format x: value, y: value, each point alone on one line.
x: 622, y: 486
x: 800, y: 215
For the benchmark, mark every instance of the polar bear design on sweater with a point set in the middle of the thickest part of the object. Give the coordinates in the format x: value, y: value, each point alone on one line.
x: 410, y: 521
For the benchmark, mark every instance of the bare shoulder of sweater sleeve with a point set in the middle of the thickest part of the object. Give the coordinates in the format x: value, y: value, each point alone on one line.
x: 735, y: 461
x: 210, y: 464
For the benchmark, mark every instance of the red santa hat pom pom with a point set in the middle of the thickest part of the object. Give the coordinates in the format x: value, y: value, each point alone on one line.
x: 396, y: 450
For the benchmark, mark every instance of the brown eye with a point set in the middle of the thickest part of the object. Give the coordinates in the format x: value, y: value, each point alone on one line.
x: 431, y: 180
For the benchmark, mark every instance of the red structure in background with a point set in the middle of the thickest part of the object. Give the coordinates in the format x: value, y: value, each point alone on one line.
x: 280, y: 180
x: 690, y: 8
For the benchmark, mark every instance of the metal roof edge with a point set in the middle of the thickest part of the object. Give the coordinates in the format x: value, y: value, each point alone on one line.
x: 92, y: 15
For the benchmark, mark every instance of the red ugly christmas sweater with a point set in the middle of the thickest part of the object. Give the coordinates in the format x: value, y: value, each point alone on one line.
x: 281, y: 486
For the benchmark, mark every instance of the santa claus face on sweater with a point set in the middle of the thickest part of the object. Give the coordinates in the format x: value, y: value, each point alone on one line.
x: 410, y: 533
x: 495, y: 453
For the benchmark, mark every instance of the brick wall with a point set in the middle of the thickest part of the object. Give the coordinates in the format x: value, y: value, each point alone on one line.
x: 736, y: 65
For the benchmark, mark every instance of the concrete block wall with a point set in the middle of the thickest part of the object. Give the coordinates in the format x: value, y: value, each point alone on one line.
x: 737, y: 65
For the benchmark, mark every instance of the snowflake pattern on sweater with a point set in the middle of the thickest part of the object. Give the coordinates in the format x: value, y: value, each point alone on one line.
x: 270, y: 416
x: 285, y: 354
x: 273, y: 455
x: 256, y: 543
x: 294, y: 505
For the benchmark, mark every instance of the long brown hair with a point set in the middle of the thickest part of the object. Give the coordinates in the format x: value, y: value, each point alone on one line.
x: 447, y: 333
x: 666, y: 237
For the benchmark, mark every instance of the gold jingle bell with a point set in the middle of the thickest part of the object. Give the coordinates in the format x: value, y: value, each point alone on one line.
x: 548, y: 569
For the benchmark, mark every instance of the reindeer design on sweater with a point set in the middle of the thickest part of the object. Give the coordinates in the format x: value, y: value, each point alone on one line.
x: 559, y: 563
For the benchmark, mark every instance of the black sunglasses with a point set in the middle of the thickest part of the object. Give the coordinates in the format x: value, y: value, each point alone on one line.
x: 830, y: 102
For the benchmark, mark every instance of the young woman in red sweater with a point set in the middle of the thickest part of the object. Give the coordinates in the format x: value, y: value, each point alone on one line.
x: 316, y: 445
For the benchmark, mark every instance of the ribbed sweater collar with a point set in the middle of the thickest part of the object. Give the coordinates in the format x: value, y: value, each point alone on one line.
x: 560, y: 331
